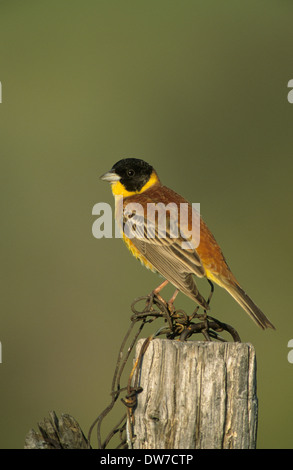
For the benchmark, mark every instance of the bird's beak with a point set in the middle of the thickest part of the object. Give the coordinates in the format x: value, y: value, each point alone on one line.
x: 110, y: 176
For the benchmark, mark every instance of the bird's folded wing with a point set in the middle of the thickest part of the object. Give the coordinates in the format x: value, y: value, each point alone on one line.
x: 165, y: 252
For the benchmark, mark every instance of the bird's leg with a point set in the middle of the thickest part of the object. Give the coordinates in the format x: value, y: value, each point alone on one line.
x: 160, y: 287
x: 155, y: 292
x: 164, y: 307
x: 171, y: 301
x: 205, y: 331
x: 212, y: 291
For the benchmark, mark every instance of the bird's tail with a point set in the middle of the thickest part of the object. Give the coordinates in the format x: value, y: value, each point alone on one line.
x: 248, y: 305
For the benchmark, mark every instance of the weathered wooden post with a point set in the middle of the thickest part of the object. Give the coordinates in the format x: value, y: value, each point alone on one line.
x: 196, y: 395
x: 57, y: 433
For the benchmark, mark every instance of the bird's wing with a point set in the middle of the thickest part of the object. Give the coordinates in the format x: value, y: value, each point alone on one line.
x: 163, y: 249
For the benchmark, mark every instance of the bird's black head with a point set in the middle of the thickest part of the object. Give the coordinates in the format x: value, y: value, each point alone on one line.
x: 133, y: 173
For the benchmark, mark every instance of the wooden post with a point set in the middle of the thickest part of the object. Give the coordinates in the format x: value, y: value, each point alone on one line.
x: 196, y: 395
x: 57, y: 433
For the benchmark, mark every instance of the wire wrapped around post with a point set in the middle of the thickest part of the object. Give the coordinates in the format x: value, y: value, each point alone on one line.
x: 177, y: 324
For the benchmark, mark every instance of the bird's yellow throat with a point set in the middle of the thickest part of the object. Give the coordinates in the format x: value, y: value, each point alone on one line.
x: 118, y: 188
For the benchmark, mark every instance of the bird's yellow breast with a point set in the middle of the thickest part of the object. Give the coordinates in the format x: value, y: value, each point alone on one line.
x: 136, y: 253
x: 120, y: 192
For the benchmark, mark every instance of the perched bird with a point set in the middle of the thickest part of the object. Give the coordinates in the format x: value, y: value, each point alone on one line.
x: 135, y: 181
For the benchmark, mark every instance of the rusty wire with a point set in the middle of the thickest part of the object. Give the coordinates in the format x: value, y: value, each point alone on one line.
x: 176, y: 324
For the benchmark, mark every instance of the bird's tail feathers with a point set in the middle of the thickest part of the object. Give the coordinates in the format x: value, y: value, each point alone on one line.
x: 248, y: 305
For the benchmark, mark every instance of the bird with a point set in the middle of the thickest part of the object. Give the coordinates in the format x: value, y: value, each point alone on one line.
x: 134, y: 181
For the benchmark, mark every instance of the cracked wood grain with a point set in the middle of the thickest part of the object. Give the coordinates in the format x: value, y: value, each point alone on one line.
x: 196, y: 395
x: 57, y: 433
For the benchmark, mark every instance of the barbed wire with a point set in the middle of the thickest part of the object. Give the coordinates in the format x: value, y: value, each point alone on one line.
x: 177, y: 324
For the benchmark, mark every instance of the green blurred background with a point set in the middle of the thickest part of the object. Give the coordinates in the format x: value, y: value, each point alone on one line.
x: 199, y: 90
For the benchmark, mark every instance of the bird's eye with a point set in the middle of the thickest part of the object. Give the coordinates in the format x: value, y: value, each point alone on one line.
x: 130, y: 172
